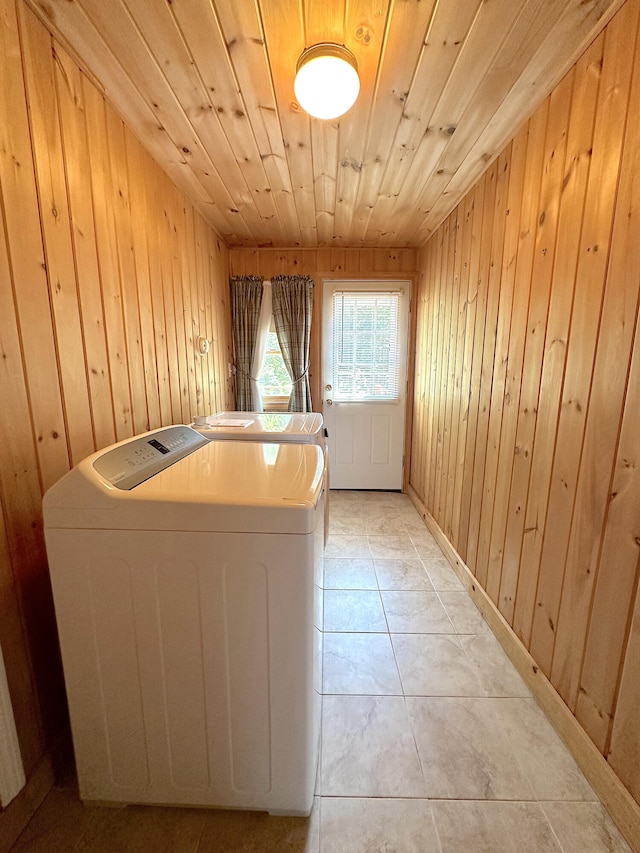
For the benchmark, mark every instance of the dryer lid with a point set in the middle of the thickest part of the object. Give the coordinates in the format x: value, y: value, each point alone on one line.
x: 271, y: 426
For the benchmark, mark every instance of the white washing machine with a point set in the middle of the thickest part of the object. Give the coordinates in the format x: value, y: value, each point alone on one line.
x: 295, y: 427
x: 186, y: 578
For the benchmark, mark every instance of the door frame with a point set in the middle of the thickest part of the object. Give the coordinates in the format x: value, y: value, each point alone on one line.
x: 317, y: 335
x: 12, y: 778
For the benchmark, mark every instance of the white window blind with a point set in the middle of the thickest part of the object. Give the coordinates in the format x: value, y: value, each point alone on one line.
x: 365, y: 345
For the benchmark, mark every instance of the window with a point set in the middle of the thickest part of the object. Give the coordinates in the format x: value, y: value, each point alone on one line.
x: 274, y: 380
x: 365, y: 346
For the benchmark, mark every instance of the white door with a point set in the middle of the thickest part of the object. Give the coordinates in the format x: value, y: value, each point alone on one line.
x: 364, y: 353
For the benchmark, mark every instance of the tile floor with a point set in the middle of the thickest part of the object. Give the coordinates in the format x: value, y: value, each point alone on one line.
x: 430, y: 739
x: 431, y: 742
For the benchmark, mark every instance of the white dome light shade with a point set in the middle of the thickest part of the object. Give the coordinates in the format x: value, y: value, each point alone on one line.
x: 327, y: 82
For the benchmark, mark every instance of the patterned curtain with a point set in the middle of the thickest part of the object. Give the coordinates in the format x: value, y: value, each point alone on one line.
x: 292, y: 297
x: 246, y: 298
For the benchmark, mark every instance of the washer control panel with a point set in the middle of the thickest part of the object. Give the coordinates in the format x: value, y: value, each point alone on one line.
x: 133, y: 462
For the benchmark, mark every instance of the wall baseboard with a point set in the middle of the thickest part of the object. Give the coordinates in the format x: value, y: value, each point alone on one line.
x: 15, y: 817
x: 622, y: 807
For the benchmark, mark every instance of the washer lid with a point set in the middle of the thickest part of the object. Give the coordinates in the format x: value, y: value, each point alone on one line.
x: 268, y: 426
x: 224, y: 486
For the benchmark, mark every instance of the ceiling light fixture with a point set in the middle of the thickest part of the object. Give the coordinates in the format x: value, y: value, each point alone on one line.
x: 327, y: 82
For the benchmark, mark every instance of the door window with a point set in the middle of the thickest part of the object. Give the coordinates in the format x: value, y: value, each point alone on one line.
x: 366, y: 346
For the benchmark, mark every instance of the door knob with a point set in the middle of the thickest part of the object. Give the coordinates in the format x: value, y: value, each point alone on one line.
x: 329, y: 402
x: 328, y: 387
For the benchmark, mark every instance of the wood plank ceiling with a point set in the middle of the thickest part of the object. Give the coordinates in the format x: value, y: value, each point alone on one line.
x: 207, y: 85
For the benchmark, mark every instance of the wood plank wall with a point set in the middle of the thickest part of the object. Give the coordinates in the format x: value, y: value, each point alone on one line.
x: 324, y: 264
x: 526, y: 445
x: 107, y: 276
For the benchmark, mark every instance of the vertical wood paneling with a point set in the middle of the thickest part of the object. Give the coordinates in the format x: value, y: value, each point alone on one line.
x: 183, y: 316
x: 219, y: 326
x: 517, y: 294
x: 54, y: 212
x: 120, y: 206
x: 20, y: 494
x: 455, y: 258
x: 204, y: 327
x: 154, y: 231
x: 97, y: 250
x: 496, y: 349
x: 139, y: 237
x: 548, y: 492
x: 446, y: 276
x: 617, y: 578
x: 165, y: 238
x: 25, y: 253
x: 537, y: 417
x: 466, y: 321
x: 592, y: 265
x: 421, y: 402
x: 70, y: 98
x: 100, y: 168
x: 596, y: 489
x: 476, y: 542
x: 487, y: 186
x: 435, y: 399
x: 529, y: 313
x: 624, y: 755
x: 34, y: 449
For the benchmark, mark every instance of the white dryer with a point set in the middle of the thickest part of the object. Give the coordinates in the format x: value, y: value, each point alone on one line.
x: 186, y: 578
x: 295, y: 427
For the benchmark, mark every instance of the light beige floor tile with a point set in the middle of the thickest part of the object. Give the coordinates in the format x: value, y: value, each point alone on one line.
x: 498, y: 675
x: 361, y: 825
x: 413, y: 523
x: 435, y: 665
x: 402, y: 575
x: 339, y: 496
x: 584, y: 827
x: 465, y: 616
x: 360, y: 664
x: 547, y: 763
x: 464, y: 752
x: 396, y: 546
x: 353, y: 494
x: 255, y: 832
x: 349, y: 573
x: 396, y: 499
x: 347, y: 545
x: 442, y: 575
x: 312, y: 838
x: 384, y: 526
x: 374, y: 510
x: 349, y: 523
x: 401, y: 498
x: 489, y: 827
x: 353, y: 610
x: 368, y: 749
x: 424, y: 540
x: 416, y: 613
x: 412, y: 519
